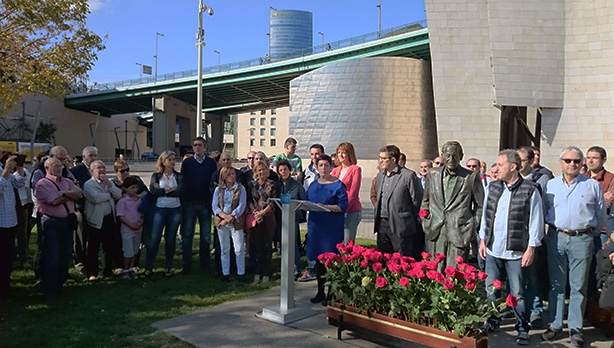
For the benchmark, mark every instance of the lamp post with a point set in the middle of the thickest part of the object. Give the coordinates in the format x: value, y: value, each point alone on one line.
x: 140, y: 70
x: 218, y: 56
x: 156, y: 57
x: 269, y: 33
x: 379, y: 20
x: 321, y: 33
x: 200, y: 42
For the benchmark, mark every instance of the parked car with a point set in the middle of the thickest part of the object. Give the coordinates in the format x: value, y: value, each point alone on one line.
x: 149, y: 156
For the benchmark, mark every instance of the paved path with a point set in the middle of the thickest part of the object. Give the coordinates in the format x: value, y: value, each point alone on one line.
x: 234, y: 324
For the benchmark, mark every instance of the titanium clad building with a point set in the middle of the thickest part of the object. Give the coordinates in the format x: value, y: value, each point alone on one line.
x: 291, y: 30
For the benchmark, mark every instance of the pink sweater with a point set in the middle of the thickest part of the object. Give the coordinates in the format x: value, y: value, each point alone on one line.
x: 351, y: 180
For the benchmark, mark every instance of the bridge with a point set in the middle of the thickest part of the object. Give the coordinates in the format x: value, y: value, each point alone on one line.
x: 252, y: 84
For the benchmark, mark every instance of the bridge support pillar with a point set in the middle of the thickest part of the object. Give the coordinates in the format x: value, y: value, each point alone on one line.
x: 214, y: 128
x: 173, y: 121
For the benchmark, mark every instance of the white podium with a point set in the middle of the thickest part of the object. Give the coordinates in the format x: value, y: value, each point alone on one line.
x: 289, y: 311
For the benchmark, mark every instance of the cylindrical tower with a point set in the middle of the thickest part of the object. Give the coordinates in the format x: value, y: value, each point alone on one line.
x: 290, y: 30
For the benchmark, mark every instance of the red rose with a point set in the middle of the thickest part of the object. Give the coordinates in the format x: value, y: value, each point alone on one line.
x: 470, y: 276
x: 404, y: 281
x: 448, y: 284
x: 426, y: 256
x: 364, y: 263
x: 328, y: 264
x: 381, y: 282
x: 346, y: 258
x: 482, y: 275
x: 423, y: 213
x: 511, y: 301
x: 439, y: 277
x: 497, y: 284
x: 470, y: 286
x: 459, y: 259
x: 377, y: 267
x: 439, y: 257
x: 450, y: 271
x: 432, y: 275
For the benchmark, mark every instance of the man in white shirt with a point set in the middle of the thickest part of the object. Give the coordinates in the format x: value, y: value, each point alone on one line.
x: 512, y: 227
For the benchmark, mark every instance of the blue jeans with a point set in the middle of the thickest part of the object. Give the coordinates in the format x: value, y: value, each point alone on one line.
x: 167, y: 220
x: 192, y: 211
x: 57, y: 250
x: 350, y: 226
x: 535, y: 283
x: 567, y: 254
x: 513, y: 274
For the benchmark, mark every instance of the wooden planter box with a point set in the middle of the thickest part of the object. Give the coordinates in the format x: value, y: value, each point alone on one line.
x: 394, y: 332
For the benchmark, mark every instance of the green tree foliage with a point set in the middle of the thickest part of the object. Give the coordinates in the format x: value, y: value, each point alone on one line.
x: 44, y: 48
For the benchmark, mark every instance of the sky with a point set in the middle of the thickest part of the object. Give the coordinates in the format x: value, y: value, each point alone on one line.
x: 237, y: 30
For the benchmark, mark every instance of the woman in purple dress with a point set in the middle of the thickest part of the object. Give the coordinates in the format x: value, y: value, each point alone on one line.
x: 325, y: 229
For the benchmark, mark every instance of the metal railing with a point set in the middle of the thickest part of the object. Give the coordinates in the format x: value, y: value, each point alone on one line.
x: 331, y: 46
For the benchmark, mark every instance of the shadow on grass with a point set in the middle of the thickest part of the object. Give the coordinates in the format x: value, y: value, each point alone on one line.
x: 112, y: 312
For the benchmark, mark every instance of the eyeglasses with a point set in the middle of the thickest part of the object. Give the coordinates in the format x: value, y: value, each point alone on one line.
x: 569, y: 160
x: 250, y: 158
x: 437, y: 162
x: 122, y: 171
x: 472, y: 166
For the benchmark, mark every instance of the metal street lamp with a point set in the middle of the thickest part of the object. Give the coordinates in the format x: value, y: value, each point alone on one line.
x: 379, y: 20
x: 140, y: 70
x: 269, y: 33
x: 156, y: 56
x: 200, y: 42
x: 218, y: 56
x: 321, y: 33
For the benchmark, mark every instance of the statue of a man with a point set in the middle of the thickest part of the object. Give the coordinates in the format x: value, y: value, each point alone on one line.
x: 453, y: 199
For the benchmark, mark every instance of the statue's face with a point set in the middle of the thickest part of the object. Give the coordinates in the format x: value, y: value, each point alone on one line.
x: 452, y: 156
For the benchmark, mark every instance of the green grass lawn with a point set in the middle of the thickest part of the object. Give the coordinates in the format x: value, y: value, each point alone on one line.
x: 112, y: 312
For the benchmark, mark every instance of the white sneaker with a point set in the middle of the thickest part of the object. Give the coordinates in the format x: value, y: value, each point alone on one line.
x: 265, y: 279
x: 256, y: 278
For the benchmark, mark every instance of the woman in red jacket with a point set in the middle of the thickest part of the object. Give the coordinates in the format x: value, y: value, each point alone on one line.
x: 351, y: 175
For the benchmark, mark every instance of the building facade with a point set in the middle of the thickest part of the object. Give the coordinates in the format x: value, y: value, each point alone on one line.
x: 262, y: 130
x: 290, y: 30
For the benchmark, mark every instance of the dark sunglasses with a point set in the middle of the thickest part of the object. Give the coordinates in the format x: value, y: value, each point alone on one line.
x: 122, y: 171
x: 250, y: 158
x: 437, y: 162
x: 471, y: 166
x: 569, y: 160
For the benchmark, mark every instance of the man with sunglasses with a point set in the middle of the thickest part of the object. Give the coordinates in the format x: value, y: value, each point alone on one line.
x: 575, y: 212
x: 437, y: 162
x: 250, y: 162
x: 475, y: 165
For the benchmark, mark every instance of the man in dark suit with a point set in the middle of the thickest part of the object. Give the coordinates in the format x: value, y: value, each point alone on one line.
x: 399, y: 194
x: 453, y: 199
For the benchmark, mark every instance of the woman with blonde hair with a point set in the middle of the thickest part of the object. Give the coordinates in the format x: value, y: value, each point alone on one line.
x: 351, y: 175
x: 228, y: 204
x: 263, y: 208
x: 166, y: 187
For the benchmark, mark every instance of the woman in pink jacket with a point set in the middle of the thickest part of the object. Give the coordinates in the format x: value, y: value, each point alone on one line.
x: 351, y: 175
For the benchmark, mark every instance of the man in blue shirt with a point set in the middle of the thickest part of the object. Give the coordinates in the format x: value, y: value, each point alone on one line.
x: 575, y: 212
x: 197, y: 174
x: 512, y: 227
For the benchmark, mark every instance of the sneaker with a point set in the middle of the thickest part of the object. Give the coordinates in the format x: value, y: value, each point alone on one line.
x: 523, y: 338
x: 577, y: 340
x: 490, y: 327
x: 550, y: 334
x: 126, y: 275
x: 265, y: 279
x: 256, y: 278
x: 307, y: 276
x: 537, y: 322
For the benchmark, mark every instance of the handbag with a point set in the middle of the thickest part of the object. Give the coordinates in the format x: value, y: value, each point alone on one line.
x: 250, y: 221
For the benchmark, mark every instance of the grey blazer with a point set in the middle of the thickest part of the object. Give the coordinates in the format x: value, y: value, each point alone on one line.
x: 403, y: 201
x: 95, y: 200
x: 460, y: 216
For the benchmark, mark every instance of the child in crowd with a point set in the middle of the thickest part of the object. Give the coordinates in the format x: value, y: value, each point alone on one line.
x: 131, y: 224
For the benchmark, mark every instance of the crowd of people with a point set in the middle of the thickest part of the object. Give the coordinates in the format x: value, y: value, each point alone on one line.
x: 519, y: 222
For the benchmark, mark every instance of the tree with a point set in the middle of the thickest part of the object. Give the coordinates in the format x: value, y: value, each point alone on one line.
x: 46, y: 132
x: 44, y: 48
